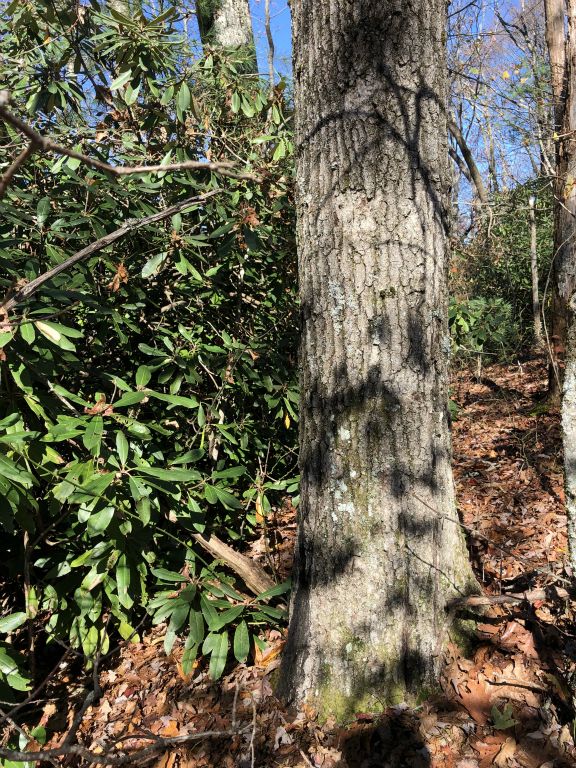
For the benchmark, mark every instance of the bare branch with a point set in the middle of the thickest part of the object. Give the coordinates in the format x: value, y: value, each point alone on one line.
x: 44, y: 143
x: 469, y: 159
x: 131, y: 225
x: 476, y: 601
x: 109, y: 758
x: 20, y: 160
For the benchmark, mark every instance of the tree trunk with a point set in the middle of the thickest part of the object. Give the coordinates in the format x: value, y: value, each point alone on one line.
x: 227, y: 24
x: 565, y: 273
x: 380, y: 550
x: 562, y: 49
x: 561, y: 92
x: 537, y: 320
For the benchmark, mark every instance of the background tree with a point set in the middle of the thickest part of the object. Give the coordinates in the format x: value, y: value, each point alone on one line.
x: 227, y: 24
x: 379, y: 551
x: 561, y: 39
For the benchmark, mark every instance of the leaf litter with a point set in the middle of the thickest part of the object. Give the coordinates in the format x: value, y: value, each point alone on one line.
x: 509, y: 704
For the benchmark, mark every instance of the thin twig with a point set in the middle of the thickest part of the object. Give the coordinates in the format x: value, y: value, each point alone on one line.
x: 305, y: 758
x: 92, y: 697
x: 32, y: 696
x: 270, y: 44
x: 531, y: 596
x: 473, y: 532
x: 129, y: 226
x: 22, y: 732
x: 20, y: 160
x: 108, y: 758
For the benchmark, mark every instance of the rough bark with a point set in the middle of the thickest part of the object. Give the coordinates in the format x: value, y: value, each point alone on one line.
x: 537, y: 320
x: 555, y: 40
x: 380, y: 550
x: 227, y: 24
x: 564, y: 272
x: 561, y: 91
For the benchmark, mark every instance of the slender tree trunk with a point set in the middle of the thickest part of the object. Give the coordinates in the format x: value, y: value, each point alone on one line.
x: 380, y: 550
x: 565, y: 272
x: 490, y: 153
x: 556, y: 42
x: 537, y: 320
x: 227, y: 24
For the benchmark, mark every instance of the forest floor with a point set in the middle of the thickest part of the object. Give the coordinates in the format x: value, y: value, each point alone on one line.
x: 508, y: 703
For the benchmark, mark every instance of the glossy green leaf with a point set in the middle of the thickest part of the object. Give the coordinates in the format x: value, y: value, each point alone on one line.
x: 241, y: 642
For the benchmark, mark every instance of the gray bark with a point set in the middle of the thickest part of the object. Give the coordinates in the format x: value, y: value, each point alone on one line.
x: 380, y: 550
x: 562, y: 49
x: 565, y: 272
x: 227, y: 24
x: 563, y: 216
x: 537, y: 320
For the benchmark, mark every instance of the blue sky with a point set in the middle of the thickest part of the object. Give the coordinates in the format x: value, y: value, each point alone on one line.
x: 280, y: 24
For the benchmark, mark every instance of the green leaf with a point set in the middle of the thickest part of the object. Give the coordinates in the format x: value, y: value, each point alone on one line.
x: 152, y: 266
x: 143, y: 375
x: 185, y: 402
x: 241, y: 642
x: 98, y: 522
x: 123, y: 583
x: 130, y: 398
x: 279, y: 589
x: 219, y: 656
x: 27, y: 332
x: 12, y: 622
x: 503, y: 720
x: 247, y: 108
x: 121, y: 80
x: 209, y: 612
x: 280, y: 151
x: 197, y: 629
x: 188, y: 659
x: 183, y: 100
x: 170, y: 576
x: 189, y: 457
x: 53, y: 333
x: 227, y: 499
x: 131, y: 94
x: 122, y: 447
x: 235, y: 102
x: 169, y: 475
x: 227, y: 617
x: 232, y: 472
x: 92, y: 438
x: 43, y: 210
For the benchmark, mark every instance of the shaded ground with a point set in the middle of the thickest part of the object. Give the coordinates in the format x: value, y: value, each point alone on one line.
x: 509, y: 704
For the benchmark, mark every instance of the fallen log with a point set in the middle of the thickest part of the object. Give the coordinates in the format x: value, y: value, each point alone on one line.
x: 253, y: 575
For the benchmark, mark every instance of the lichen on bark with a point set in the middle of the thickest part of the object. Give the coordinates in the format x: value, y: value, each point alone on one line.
x: 380, y: 551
